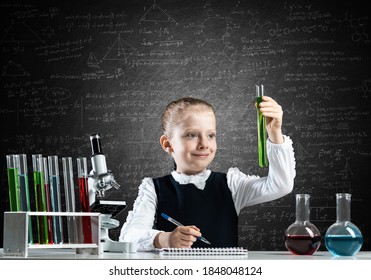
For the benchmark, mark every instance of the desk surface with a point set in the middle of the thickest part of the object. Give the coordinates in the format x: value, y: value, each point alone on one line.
x: 67, y: 254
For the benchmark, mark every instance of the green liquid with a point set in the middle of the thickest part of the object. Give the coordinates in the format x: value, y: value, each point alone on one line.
x: 40, y: 198
x: 25, y: 201
x: 262, y: 136
x: 13, y: 185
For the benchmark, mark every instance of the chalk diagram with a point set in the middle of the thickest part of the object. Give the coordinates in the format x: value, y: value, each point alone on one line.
x: 346, y: 172
x: 14, y: 70
x: 215, y: 31
x: 48, y: 31
x: 301, y: 153
x: 120, y: 50
x: 92, y: 61
x: 238, y: 14
x: 19, y: 32
x: 156, y: 15
x: 219, y: 25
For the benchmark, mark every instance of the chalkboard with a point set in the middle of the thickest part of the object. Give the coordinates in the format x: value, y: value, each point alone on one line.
x: 74, y: 68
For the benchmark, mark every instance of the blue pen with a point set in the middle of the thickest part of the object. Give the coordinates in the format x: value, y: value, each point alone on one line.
x: 175, y: 222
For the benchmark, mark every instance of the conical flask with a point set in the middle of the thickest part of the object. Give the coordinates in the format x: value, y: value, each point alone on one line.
x: 302, y: 237
x: 343, y: 238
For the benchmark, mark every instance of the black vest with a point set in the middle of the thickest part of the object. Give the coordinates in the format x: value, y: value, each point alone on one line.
x: 211, y: 210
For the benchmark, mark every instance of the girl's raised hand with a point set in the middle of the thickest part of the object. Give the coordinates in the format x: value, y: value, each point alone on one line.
x: 273, y: 113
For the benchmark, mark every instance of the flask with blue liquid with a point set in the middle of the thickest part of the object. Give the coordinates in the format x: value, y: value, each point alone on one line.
x: 343, y: 238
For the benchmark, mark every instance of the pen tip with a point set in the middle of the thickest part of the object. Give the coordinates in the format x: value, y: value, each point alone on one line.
x: 165, y: 216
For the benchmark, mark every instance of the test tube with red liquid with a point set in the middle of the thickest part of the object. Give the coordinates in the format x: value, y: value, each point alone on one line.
x: 48, y: 200
x: 82, y: 173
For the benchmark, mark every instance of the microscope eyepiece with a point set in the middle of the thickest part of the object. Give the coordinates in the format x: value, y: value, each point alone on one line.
x: 96, y: 147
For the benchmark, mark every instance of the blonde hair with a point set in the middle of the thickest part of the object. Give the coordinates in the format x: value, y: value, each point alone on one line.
x: 177, y: 110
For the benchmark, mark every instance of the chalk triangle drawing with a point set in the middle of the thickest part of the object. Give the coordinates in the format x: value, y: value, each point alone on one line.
x: 19, y: 32
x: 347, y: 171
x: 301, y: 153
x: 156, y: 14
x: 92, y: 61
x: 120, y: 50
x: 48, y: 31
x: 14, y: 70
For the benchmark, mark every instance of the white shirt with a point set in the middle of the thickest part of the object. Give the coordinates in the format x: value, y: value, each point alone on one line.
x: 246, y: 190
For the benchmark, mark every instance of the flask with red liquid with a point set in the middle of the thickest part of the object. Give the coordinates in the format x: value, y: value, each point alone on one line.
x: 302, y: 237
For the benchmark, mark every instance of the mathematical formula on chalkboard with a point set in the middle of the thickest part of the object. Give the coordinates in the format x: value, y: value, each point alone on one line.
x: 73, y: 69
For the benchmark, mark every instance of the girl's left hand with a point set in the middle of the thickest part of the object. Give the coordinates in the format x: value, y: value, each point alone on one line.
x: 273, y: 113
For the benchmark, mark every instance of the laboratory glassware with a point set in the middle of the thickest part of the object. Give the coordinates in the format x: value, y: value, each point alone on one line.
x: 40, y: 198
x: 55, y: 198
x: 302, y: 237
x: 69, y: 192
x: 48, y: 201
x: 82, y: 172
x: 24, y: 191
x: 343, y: 238
x: 261, y: 126
x: 12, y: 162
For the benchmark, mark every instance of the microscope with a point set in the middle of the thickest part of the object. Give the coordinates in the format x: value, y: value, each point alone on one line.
x: 101, y: 180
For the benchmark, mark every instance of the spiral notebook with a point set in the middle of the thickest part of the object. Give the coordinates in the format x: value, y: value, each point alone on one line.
x: 203, y: 251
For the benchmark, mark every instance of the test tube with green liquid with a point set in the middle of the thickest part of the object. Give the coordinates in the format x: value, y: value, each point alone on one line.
x: 262, y: 132
x: 24, y: 191
x: 40, y: 198
x: 55, y: 198
x: 12, y: 162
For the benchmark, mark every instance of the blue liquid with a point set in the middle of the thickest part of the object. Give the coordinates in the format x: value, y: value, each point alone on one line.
x: 343, y: 245
x: 25, y: 201
x: 55, y: 199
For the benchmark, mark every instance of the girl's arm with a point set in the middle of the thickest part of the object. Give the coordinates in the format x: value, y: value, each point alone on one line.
x: 249, y: 190
x: 138, y: 227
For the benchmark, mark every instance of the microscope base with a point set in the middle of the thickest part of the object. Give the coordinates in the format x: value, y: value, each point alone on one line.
x: 108, y: 245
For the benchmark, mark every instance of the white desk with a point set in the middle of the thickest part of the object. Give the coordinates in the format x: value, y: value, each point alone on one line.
x: 68, y: 254
x: 66, y: 264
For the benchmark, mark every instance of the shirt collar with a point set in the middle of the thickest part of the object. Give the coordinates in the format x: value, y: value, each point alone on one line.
x: 199, y: 180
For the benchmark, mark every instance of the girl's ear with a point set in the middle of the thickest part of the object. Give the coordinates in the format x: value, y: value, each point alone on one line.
x: 165, y: 144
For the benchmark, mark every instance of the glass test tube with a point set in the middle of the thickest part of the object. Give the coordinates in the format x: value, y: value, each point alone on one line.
x: 48, y: 202
x: 40, y: 198
x: 262, y: 132
x: 82, y: 172
x: 24, y: 191
x: 12, y: 162
x: 69, y: 191
x: 55, y: 198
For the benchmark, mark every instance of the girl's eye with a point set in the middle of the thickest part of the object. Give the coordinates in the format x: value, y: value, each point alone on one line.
x: 192, y: 135
x: 212, y: 136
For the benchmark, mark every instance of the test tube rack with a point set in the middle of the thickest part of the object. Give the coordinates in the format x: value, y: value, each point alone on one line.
x: 15, y: 242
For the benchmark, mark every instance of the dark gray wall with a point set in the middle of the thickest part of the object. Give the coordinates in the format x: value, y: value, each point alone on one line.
x: 72, y: 68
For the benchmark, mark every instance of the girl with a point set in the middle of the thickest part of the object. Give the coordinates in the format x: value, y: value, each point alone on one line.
x: 206, y: 202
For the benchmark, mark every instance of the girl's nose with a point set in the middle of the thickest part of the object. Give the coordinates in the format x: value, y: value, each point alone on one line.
x: 203, y: 143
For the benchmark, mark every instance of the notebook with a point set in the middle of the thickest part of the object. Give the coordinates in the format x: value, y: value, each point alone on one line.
x: 203, y: 251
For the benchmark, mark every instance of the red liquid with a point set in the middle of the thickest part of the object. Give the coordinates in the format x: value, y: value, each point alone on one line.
x: 302, y: 244
x: 85, y: 207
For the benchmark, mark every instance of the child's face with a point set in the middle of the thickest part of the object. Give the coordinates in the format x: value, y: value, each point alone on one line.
x: 193, y: 142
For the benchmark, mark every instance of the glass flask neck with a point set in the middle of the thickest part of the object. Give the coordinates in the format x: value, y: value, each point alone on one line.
x: 302, y: 207
x: 343, y: 207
